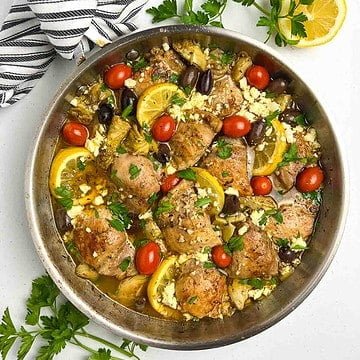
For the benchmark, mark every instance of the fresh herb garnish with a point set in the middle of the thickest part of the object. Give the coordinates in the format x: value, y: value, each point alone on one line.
x: 111, y: 100
x: 202, y: 202
x: 134, y: 171
x: 225, y: 174
x: 301, y: 120
x: 176, y: 99
x: 227, y: 58
x: 65, y: 197
x: 163, y: 207
x: 138, y: 243
x: 253, y: 282
x: 282, y: 242
x: 147, y: 134
x: 192, y: 300
x: 187, y: 90
x: 125, y: 263
x: 81, y: 165
x: 152, y: 198
x: 315, y: 196
x: 103, y: 87
x: 155, y: 77
x: 139, y: 64
x: 210, y: 13
x: 121, y: 150
x: 208, y: 265
x: 187, y: 174
x: 291, y: 156
x: 271, y: 117
x: 275, y: 213
x: 174, y: 78
x: 127, y: 111
x: 59, y: 325
x: 224, y: 150
x: 121, y: 219
x: 236, y: 243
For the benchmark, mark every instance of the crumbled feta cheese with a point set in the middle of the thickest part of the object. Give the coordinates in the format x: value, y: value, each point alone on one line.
x: 255, y: 293
x: 145, y: 216
x: 243, y: 230
x: 256, y: 215
x: 231, y: 191
x: 94, y: 144
x: 75, y: 211
x: 166, y: 46
x: 88, y: 230
x: 95, y: 254
x: 243, y: 83
x: 98, y: 200
x: 261, y: 146
x: 254, y: 92
x: 289, y: 133
x: 84, y: 188
x: 298, y: 244
x: 310, y: 135
x: 169, y: 169
x: 168, y: 295
x: 130, y: 83
x: 74, y: 101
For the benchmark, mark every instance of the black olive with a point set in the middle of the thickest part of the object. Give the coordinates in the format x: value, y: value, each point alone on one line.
x: 277, y: 86
x: 289, y: 116
x: 287, y: 255
x: 189, y: 77
x: 105, y: 113
x: 205, y: 82
x: 231, y: 205
x: 62, y: 220
x: 163, y: 154
x: 132, y: 55
x: 128, y: 97
x: 256, y: 134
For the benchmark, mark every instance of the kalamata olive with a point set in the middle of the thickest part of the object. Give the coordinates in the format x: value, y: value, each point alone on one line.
x: 189, y: 77
x: 128, y: 97
x: 163, y: 154
x: 62, y: 220
x: 105, y: 113
x: 289, y: 116
x: 132, y: 55
x: 205, y: 82
x: 277, y: 86
x: 287, y: 255
x: 257, y: 132
x: 231, y: 205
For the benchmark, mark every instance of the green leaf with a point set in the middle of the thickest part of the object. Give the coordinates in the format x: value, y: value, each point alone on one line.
x: 271, y: 117
x: 81, y: 165
x: 75, y: 318
x: 127, y: 111
x: 192, y: 300
x: 27, y: 341
x: 224, y: 150
x: 297, y: 26
x: 315, y: 196
x: 225, y: 174
x: 218, y: 24
x: 138, y: 243
x: 227, y: 58
x: 121, y: 219
x: 121, y: 150
x: 163, y: 207
x: 102, y: 354
x: 245, y: 2
x: 43, y: 293
x: 134, y: 171
x: 67, y: 203
x: 176, y: 99
x: 211, y: 7
x: 8, y: 334
x: 152, y: 198
x: 275, y: 213
x: 236, y: 243
x: 139, y: 64
x: 187, y: 174
x: 282, y: 242
x: 125, y: 264
x: 188, y: 6
x: 202, y: 202
x: 301, y: 120
x: 290, y: 156
x: 174, y: 78
x: 208, y: 265
x: 306, y: 2
x: 166, y: 10
x: 254, y: 282
x: 63, y: 192
x: 202, y: 18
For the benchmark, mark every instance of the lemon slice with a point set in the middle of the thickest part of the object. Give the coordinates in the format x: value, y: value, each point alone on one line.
x: 267, y: 159
x: 207, y: 181
x: 159, y: 279
x: 64, y: 169
x: 325, y: 18
x: 154, y: 101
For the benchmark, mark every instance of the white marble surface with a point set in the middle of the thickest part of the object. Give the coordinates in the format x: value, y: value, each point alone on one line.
x: 327, y: 324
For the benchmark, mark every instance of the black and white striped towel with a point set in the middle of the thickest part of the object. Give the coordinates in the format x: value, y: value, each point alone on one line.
x: 35, y: 31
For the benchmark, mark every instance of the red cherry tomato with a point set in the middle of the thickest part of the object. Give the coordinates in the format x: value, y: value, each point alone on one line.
x: 310, y: 179
x: 220, y: 257
x: 147, y: 258
x: 116, y: 75
x: 163, y: 128
x: 169, y: 183
x: 261, y: 185
x: 75, y: 133
x: 258, y: 76
x: 236, y: 126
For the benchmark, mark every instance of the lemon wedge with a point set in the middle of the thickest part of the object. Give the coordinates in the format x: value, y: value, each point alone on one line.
x: 267, y: 159
x: 154, y: 101
x: 159, y: 279
x: 325, y: 18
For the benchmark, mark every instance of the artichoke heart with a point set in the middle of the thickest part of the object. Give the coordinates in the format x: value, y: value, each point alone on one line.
x: 191, y: 52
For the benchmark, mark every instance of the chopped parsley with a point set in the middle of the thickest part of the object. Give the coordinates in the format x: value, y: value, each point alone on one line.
x: 174, y: 78
x: 121, y: 150
x: 111, y: 100
x: 202, y: 202
x: 81, y: 165
x: 138, y: 243
x: 121, y: 219
x: 301, y: 120
x: 155, y: 77
x: 282, y: 242
x: 187, y: 174
x: 224, y: 150
x: 152, y: 198
x: 275, y: 213
x: 187, y: 90
x: 315, y: 196
x: 164, y: 207
x: 127, y: 111
x: 65, y: 197
x: 192, y: 300
x: 125, y: 264
x: 134, y: 171
x: 271, y: 117
x: 176, y: 99
x: 291, y: 155
x: 103, y: 87
x: 225, y: 174
x: 227, y: 58
x: 140, y: 64
x: 147, y: 134
x: 208, y: 265
x: 254, y: 282
x: 236, y: 243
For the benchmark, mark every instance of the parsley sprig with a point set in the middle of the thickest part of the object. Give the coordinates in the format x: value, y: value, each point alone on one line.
x: 62, y: 325
x: 210, y: 13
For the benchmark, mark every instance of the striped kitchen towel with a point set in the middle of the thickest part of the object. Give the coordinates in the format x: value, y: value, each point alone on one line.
x: 35, y: 31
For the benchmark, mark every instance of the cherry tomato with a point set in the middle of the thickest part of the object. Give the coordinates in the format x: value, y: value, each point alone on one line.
x: 220, y: 257
x: 169, y: 183
x: 75, y: 133
x: 147, y: 258
x: 163, y: 128
x: 236, y: 126
x: 258, y: 76
x: 261, y: 185
x: 310, y: 179
x: 116, y: 75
